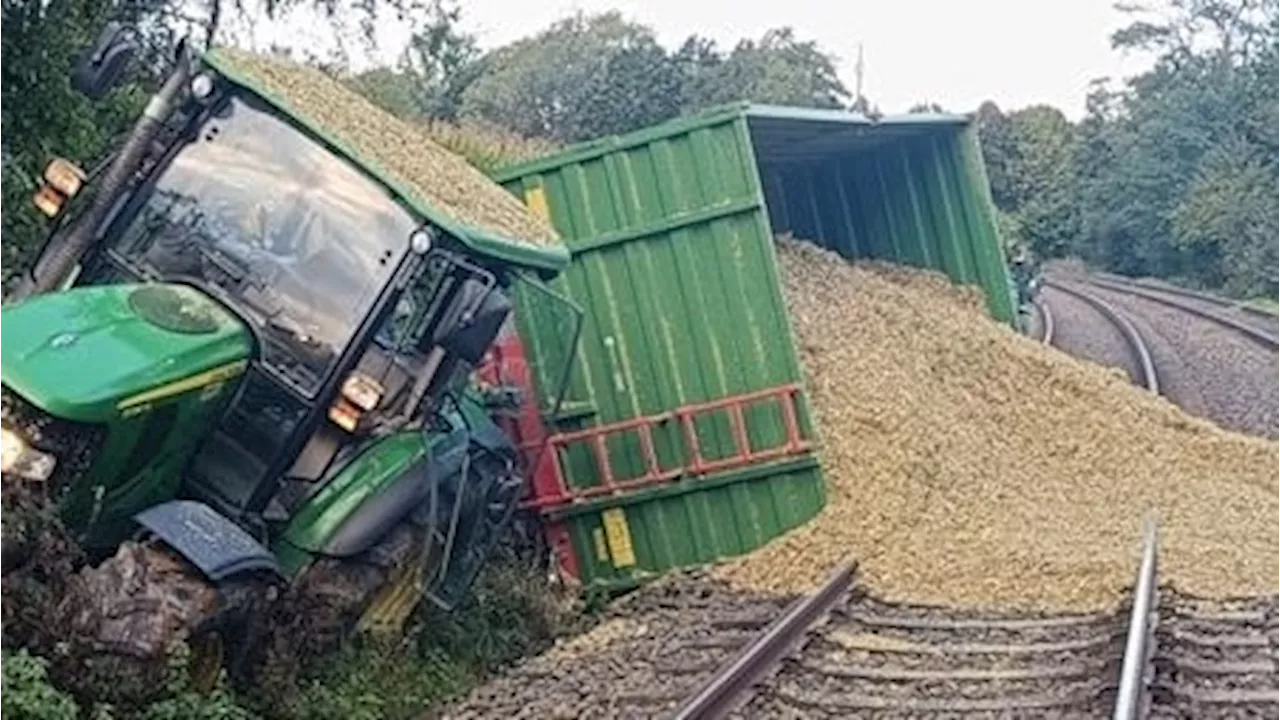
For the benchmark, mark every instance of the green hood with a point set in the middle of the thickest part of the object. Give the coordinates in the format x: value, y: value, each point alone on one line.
x: 90, y: 353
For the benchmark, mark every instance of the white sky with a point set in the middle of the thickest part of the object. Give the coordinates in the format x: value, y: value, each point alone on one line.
x: 952, y: 52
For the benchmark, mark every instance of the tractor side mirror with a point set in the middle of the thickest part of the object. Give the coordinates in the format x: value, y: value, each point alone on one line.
x: 101, y: 67
x: 472, y: 321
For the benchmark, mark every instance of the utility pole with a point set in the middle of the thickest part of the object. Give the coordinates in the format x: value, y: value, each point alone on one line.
x: 857, y: 74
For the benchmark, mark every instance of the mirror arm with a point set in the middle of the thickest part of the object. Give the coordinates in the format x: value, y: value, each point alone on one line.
x: 53, y: 266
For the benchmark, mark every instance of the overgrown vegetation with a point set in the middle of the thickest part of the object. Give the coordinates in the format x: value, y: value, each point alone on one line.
x: 512, y: 613
x: 1172, y: 173
x: 487, y: 147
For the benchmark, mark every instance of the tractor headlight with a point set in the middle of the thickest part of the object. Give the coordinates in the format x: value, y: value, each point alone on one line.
x: 19, y: 458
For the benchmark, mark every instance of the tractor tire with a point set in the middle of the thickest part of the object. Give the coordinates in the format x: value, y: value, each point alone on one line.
x: 128, y: 615
x: 328, y: 600
x: 323, y: 607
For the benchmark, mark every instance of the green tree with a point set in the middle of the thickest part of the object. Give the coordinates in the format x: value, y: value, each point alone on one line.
x: 777, y: 69
x: 396, y: 91
x: 442, y: 60
x: 1230, y: 32
x: 927, y: 108
x: 583, y: 76
x: 1228, y: 221
x: 995, y: 136
x: 1043, y: 184
x: 42, y: 116
x: 1030, y: 158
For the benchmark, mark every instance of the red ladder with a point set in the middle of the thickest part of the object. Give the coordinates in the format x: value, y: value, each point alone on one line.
x: 786, y: 397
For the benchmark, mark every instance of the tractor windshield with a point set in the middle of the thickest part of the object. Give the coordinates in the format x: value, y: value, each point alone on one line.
x: 299, y: 239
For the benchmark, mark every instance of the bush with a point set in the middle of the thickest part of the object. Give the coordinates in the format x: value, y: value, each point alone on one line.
x: 27, y: 693
x: 510, y: 614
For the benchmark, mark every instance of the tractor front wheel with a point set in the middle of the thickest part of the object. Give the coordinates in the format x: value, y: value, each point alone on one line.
x: 129, y: 614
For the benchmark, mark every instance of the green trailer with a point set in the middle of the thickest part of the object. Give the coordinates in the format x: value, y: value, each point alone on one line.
x: 681, y: 440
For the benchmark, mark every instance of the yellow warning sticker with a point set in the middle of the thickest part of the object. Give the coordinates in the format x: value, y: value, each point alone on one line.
x: 602, y: 552
x: 619, y: 537
x: 536, y: 200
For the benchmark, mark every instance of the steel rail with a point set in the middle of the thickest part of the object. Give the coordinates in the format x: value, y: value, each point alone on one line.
x: 1137, y: 346
x: 717, y: 697
x: 728, y: 688
x: 1218, y: 300
x: 1046, y: 321
x: 1133, y: 698
x: 1260, y: 336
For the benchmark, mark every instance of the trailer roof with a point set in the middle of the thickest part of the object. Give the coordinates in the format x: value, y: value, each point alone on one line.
x: 797, y: 135
x: 779, y: 134
x: 437, y: 184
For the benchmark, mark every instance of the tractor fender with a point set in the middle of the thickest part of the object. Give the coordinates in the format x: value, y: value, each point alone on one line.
x: 385, y: 483
x: 218, y: 547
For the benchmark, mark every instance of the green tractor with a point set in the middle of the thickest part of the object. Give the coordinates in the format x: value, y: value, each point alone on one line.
x: 240, y: 371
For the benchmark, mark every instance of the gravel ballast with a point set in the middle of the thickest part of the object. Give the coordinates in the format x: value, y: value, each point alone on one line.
x: 969, y: 466
x: 1081, y: 330
x: 650, y: 650
x: 1236, y: 376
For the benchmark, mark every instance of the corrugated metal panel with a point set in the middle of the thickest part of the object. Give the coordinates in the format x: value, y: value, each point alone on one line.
x: 680, y: 526
x: 674, y: 266
x: 909, y: 193
x: 673, y: 261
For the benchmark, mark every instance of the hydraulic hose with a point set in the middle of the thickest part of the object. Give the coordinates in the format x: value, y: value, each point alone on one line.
x: 54, y: 265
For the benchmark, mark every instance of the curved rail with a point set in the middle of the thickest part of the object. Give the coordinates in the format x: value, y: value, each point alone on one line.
x: 1162, y: 297
x: 1046, y: 321
x: 1137, y: 346
x: 1189, y: 293
x: 716, y: 697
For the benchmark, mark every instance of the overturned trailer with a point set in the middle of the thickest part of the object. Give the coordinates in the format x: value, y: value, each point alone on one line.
x: 685, y: 435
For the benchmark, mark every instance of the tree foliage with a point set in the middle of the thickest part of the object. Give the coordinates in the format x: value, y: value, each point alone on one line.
x: 588, y: 76
x: 1173, y: 173
x: 548, y: 85
x: 776, y: 69
x: 1029, y: 156
x: 42, y: 116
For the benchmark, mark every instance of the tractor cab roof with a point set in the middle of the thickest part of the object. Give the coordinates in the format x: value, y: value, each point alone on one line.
x: 438, y: 185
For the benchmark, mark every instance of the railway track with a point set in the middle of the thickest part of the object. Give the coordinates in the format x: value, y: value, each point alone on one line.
x: 1044, y: 321
x: 1215, y: 659
x: 842, y: 653
x: 1212, y: 360
x: 1257, y: 325
x: 1142, y: 367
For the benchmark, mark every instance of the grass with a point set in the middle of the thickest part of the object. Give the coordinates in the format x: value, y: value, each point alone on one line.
x: 512, y: 612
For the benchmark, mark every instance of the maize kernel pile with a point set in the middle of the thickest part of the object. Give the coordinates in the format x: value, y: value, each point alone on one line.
x: 969, y: 466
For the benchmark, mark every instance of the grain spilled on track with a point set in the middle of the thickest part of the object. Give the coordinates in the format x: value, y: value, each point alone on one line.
x: 969, y: 466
